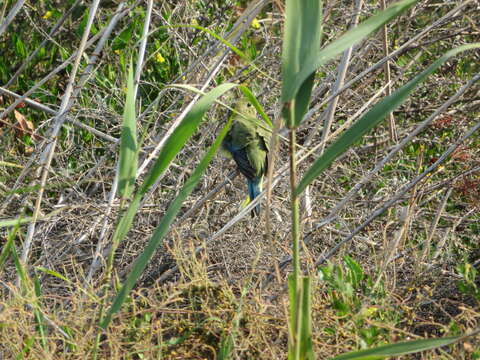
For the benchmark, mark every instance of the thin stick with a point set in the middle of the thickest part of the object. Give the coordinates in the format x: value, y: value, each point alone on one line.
x: 434, y: 224
x: 11, y: 15
x: 47, y: 155
x: 392, y: 130
x: 48, y: 110
x: 341, y: 73
x: 272, y: 155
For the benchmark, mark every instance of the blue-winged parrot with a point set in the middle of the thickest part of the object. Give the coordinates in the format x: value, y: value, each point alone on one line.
x: 247, y: 141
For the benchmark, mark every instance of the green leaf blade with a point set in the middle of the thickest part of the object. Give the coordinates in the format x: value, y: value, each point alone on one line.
x: 127, y: 168
x: 403, y: 348
x: 301, y: 42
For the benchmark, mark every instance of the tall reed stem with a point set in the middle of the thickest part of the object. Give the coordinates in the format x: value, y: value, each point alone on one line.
x: 295, y: 210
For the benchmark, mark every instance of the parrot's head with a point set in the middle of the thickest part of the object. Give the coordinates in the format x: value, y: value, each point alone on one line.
x: 244, y: 114
x: 244, y: 107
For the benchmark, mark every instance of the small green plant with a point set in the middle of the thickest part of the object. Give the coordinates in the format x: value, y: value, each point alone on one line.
x: 468, y: 283
x: 350, y: 293
x: 343, y: 282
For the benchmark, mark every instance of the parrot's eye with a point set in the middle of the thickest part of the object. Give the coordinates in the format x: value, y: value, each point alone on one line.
x: 249, y: 105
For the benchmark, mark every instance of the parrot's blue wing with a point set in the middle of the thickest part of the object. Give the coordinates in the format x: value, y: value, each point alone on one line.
x: 243, y: 163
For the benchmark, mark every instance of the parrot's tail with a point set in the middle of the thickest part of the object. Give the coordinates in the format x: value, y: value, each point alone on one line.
x: 254, y: 189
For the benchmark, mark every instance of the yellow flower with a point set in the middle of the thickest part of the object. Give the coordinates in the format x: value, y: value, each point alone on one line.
x: 47, y: 15
x: 159, y: 58
x: 255, y: 24
x: 194, y: 22
x: 369, y: 311
x: 117, y: 51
